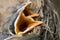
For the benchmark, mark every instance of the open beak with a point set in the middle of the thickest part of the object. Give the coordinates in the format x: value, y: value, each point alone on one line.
x: 24, y: 24
x: 24, y: 21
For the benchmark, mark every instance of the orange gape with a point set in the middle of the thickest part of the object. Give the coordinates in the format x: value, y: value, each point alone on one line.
x: 25, y: 24
x: 25, y: 21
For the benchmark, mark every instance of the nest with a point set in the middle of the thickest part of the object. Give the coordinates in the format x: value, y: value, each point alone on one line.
x: 48, y: 30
